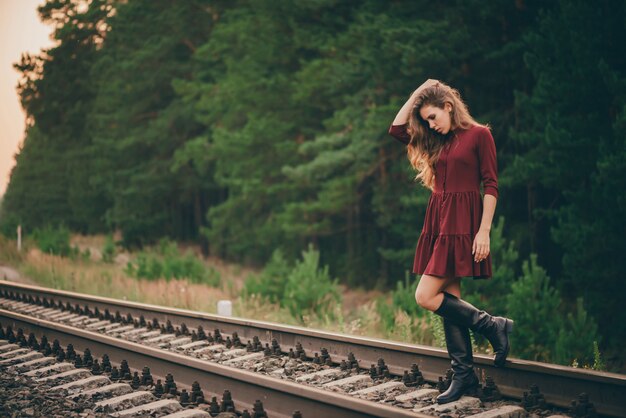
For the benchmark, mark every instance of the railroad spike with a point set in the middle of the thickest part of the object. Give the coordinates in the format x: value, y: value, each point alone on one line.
x: 490, y: 392
x: 106, y: 361
x: 32, y: 340
x: 417, y: 374
x: 373, y: 373
x: 214, y: 406
x: 135, y: 383
x: 352, y: 361
x: 158, y: 389
x: 70, y: 352
x: 87, y: 358
x: 201, y: 333
x: 78, y: 361
x: 227, y: 402
x: 407, y: 379
x: 533, y: 399
x: 95, y: 368
x: 442, y: 385
x: 582, y: 408
x: 170, y: 385
x: 184, y: 398
x: 258, y: 345
x: 55, y: 347
x: 236, y: 340
x: 325, y: 356
x: 197, y: 396
x: 124, y: 369
x: 276, y: 347
x: 258, y: 410
x: 146, y: 376
x: 10, y: 336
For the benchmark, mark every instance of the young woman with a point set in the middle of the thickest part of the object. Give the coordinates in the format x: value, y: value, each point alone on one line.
x: 453, y: 154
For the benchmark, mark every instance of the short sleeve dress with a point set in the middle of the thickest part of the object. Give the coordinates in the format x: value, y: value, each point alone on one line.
x: 455, y: 207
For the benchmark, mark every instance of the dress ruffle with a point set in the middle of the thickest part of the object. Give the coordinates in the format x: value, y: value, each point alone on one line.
x: 444, y: 247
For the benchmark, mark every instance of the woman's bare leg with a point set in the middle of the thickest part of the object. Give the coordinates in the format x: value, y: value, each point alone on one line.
x: 454, y: 287
x: 428, y: 293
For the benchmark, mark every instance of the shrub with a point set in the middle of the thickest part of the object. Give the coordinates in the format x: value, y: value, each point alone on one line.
x: 534, y: 306
x: 53, y: 240
x: 543, y: 332
x: 109, y: 251
x: 578, y: 339
x: 309, y: 289
x: 272, y: 281
x: 168, y: 263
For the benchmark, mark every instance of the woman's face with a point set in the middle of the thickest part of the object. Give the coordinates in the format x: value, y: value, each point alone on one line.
x: 437, y: 119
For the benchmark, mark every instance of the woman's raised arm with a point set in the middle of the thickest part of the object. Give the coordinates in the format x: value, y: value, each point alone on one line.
x: 403, y: 115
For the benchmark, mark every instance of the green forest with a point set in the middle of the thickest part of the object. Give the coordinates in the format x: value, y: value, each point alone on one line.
x: 250, y: 127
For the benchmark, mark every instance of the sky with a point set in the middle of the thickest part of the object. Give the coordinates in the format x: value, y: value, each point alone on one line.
x: 20, y: 31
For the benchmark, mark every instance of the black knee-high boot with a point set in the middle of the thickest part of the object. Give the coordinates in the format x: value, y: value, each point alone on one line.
x: 459, y: 345
x: 494, y: 328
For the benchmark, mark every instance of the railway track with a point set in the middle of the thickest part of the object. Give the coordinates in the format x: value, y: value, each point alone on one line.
x: 292, y: 369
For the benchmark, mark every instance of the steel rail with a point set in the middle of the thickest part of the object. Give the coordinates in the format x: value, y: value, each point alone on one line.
x: 280, y: 397
x: 559, y: 384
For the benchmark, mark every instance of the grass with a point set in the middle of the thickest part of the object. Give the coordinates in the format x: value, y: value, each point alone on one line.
x: 357, y: 315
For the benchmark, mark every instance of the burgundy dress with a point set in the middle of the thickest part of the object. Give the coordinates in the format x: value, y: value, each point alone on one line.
x: 455, y: 207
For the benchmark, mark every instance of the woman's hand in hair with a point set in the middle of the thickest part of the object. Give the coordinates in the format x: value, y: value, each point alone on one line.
x: 425, y: 84
x: 403, y: 114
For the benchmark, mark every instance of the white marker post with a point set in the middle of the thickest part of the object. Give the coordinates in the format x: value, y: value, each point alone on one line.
x: 225, y: 308
x: 19, y: 237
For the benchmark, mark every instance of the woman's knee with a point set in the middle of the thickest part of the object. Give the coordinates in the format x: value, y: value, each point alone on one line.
x: 428, y: 288
x: 424, y: 296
